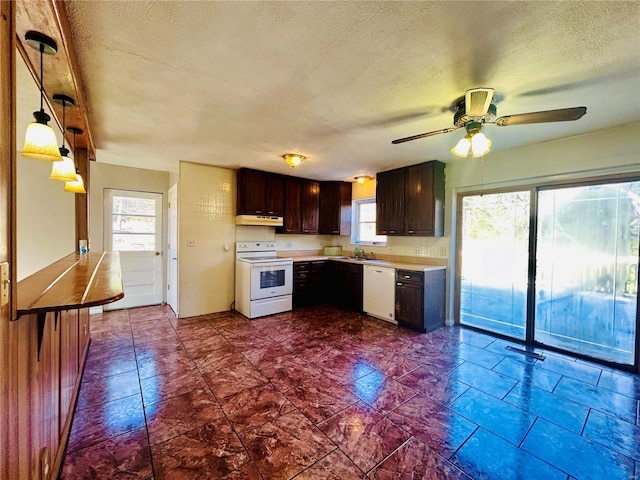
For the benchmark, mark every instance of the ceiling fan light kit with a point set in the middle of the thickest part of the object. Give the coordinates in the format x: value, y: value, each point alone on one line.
x: 40, y: 141
x: 293, y: 159
x: 477, y: 108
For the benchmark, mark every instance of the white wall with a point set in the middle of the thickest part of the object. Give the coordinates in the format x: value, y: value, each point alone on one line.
x: 45, y: 213
x: 206, y: 216
x: 104, y: 175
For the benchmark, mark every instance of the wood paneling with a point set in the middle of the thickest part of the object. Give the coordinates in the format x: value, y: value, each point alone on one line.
x: 81, y: 158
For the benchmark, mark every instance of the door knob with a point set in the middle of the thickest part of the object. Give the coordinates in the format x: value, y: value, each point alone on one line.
x: 157, y: 253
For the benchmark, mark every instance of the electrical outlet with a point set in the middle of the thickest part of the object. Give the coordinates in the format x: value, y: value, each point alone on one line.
x: 191, y: 243
x: 443, y: 251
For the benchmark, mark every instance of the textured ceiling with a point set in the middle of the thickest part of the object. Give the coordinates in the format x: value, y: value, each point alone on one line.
x: 241, y: 83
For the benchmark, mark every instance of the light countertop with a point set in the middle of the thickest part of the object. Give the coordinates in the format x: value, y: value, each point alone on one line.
x: 417, y: 267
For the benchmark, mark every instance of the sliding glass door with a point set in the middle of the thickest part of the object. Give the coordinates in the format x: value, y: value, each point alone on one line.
x: 587, y: 270
x: 495, y: 248
x: 554, y: 266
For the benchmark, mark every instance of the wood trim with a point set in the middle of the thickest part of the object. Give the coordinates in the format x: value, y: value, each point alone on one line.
x: 81, y: 158
x: 61, y: 71
x: 10, y: 451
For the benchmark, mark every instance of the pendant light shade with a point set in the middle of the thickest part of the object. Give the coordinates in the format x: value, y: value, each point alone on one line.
x: 40, y: 140
x: 63, y: 170
x: 77, y: 186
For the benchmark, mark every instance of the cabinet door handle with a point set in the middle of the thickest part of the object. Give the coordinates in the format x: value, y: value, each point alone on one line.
x: 410, y: 231
x: 407, y: 276
x: 399, y: 284
x: 270, y: 213
x: 258, y: 211
x: 392, y: 231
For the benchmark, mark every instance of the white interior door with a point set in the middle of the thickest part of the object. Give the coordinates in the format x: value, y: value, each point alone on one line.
x: 133, y: 227
x: 172, y: 250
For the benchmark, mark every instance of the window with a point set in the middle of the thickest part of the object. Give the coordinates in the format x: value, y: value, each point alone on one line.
x: 364, y: 223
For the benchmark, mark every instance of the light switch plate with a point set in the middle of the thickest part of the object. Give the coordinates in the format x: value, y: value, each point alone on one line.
x: 4, y: 283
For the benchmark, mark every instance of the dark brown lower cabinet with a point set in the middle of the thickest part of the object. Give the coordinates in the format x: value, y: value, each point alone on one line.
x: 309, y: 283
x: 346, y: 285
x: 420, y: 299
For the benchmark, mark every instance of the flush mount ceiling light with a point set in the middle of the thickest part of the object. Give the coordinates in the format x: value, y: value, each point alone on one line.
x: 40, y: 141
x: 362, y: 178
x: 474, y: 142
x: 293, y: 159
x: 63, y: 170
x: 77, y: 185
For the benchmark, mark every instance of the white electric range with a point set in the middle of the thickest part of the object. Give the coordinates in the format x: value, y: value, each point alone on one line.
x: 264, y: 282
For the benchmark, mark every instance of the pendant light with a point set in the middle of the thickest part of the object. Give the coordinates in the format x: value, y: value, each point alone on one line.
x: 63, y: 170
x: 40, y: 140
x: 77, y: 185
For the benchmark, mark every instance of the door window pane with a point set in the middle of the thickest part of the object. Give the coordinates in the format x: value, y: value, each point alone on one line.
x: 494, y: 262
x: 587, y: 269
x: 133, y: 224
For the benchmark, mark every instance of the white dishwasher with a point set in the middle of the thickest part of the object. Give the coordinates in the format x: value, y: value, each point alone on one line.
x: 380, y: 292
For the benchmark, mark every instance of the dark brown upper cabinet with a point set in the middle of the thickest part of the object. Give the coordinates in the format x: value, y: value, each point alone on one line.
x: 292, y: 205
x: 260, y: 193
x: 390, y: 202
x: 410, y: 200
x: 335, y: 208
x: 310, y: 206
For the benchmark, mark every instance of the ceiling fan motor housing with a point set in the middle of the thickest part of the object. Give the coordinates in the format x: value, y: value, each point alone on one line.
x: 462, y: 117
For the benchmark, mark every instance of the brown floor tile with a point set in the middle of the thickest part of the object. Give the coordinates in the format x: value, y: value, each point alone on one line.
x: 200, y: 348
x: 234, y: 379
x: 434, y: 384
x: 172, y: 384
x: 106, y: 389
x: 126, y: 456
x: 100, y: 367
x: 343, y: 368
x: 177, y: 415
x: 286, y: 446
x: 286, y: 373
x: 433, y: 424
x: 335, y: 466
x: 253, y: 407
x: 99, y: 423
x: 414, y: 460
x: 207, y: 452
x: 363, y: 434
x: 320, y: 398
x: 382, y: 393
x: 159, y: 364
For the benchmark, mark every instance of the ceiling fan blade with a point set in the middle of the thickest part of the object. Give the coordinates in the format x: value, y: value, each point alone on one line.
x: 423, y: 135
x: 560, y: 115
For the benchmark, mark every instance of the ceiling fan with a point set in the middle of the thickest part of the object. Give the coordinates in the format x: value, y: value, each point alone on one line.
x: 477, y: 108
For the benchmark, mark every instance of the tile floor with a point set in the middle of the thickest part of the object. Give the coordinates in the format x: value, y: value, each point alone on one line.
x: 324, y: 393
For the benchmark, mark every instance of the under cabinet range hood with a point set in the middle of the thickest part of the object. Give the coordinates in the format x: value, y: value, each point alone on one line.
x: 259, y: 220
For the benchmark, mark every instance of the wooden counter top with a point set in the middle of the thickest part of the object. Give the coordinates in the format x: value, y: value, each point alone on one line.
x: 75, y: 281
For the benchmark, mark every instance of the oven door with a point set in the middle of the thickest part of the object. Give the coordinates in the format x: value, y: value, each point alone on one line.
x: 271, y: 280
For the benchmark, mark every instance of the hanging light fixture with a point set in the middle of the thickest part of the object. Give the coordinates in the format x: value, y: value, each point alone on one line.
x: 40, y: 140
x: 63, y: 170
x: 475, y: 142
x: 293, y: 159
x: 77, y: 185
